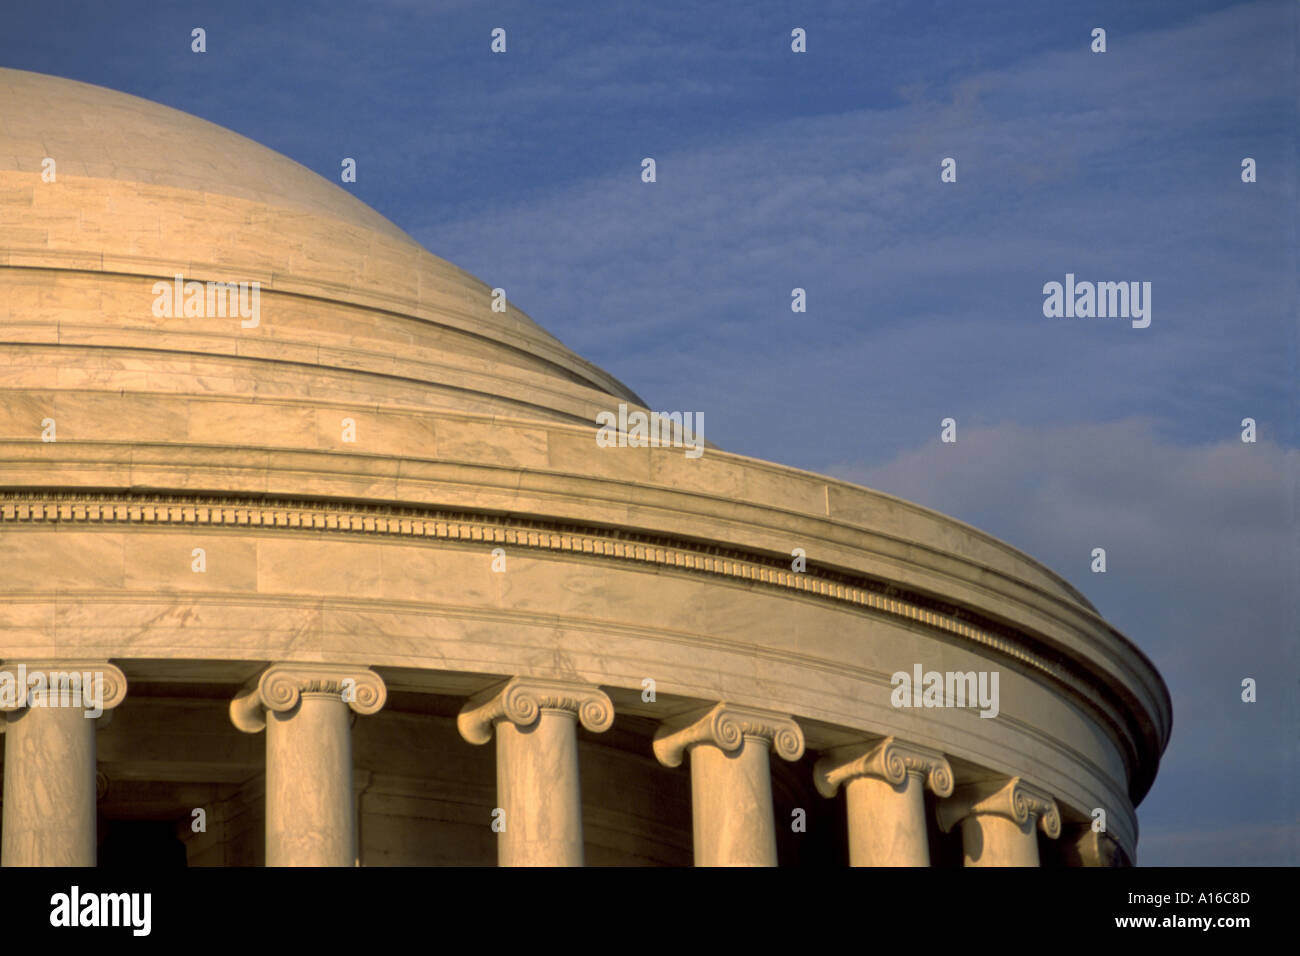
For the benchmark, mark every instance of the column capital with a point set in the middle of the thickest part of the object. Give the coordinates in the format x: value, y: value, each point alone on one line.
x: 889, y: 759
x: 1013, y: 799
x: 522, y: 700
x: 1083, y: 846
x: 282, y: 686
x: 21, y: 681
x: 726, y: 726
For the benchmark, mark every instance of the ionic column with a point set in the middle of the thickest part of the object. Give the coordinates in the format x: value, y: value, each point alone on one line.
x: 731, y: 778
x: 1083, y: 846
x: 50, y: 786
x: 307, y: 712
x: 883, y: 788
x: 998, y: 820
x: 537, y: 763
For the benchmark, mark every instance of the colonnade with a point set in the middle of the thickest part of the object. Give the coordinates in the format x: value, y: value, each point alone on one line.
x: 306, y: 711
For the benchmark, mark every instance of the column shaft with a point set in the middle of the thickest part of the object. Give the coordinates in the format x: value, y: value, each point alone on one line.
x: 731, y: 778
x: 884, y: 785
x: 306, y: 710
x: 49, y: 789
x: 731, y: 797
x: 887, y: 822
x: 309, y: 814
x: 999, y: 821
x: 537, y: 786
x: 536, y: 725
x: 989, y: 839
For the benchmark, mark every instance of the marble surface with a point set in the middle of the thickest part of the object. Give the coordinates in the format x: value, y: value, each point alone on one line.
x: 473, y: 430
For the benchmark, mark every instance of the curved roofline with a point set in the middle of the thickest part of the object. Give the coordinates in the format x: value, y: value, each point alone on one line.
x: 296, y: 187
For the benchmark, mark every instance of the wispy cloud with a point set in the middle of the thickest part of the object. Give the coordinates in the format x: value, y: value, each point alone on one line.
x: 822, y: 172
x: 1201, y: 555
x: 925, y: 297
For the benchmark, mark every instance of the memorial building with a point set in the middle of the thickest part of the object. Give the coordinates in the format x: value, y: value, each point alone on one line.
x: 329, y: 551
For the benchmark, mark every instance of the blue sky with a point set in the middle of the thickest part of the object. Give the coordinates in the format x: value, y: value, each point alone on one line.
x: 821, y: 171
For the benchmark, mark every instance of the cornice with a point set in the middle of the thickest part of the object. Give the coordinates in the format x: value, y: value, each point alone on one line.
x: 118, y: 509
x: 242, y: 513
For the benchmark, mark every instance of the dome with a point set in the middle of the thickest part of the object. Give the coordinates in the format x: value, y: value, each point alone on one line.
x: 255, y: 442
x: 144, y: 190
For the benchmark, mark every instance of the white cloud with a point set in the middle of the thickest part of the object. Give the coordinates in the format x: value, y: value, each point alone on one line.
x: 1202, y: 575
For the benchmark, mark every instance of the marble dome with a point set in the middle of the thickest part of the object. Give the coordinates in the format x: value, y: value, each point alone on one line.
x: 384, y: 486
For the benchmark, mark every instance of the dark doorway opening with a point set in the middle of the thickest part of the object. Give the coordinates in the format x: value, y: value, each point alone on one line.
x: 140, y: 843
